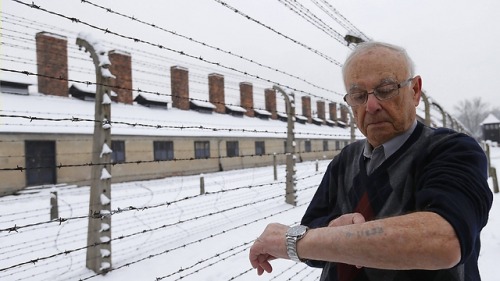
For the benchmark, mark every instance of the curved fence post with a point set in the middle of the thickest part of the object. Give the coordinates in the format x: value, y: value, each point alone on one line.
x: 99, y: 228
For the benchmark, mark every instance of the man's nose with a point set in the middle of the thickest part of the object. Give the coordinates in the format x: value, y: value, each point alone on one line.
x: 372, y: 103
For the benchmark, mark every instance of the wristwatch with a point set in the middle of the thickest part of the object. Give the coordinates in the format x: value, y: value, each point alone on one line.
x: 294, y: 234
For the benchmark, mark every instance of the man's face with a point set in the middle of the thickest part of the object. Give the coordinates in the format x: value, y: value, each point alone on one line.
x: 378, y: 120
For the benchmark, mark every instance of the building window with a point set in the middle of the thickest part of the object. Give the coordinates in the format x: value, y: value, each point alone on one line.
x: 201, y: 149
x: 232, y: 149
x: 307, y: 146
x: 163, y: 150
x: 260, y: 148
x: 118, y: 154
x: 325, y: 145
x: 337, y: 145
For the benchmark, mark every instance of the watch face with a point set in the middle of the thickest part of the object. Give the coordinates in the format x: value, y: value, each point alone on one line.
x: 297, y: 230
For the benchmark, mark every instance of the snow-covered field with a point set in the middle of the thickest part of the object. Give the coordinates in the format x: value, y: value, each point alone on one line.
x: 166, y: 230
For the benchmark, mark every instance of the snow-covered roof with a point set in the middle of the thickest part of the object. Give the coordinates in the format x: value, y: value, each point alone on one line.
x: 153, y: 97
x: 204, y: 104
x: 19, y: 78
x: 283, y: 115
x: 300, y: 117
x: 263, y: 112
x: 236, y: 108
x: 490, y: 119
x: 143, y: 121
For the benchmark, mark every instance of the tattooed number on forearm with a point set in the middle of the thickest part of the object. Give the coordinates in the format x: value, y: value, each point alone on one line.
x: 365, y: 233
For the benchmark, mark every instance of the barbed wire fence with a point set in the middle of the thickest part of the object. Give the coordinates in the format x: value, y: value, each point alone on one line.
x: 16, y: 270
x: 158, y: 219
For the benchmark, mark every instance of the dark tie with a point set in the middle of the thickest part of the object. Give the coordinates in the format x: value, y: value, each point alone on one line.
x: 349, y: 272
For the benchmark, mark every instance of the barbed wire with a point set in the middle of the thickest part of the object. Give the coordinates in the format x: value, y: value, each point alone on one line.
x: 342, y: 18
x: 137, y: 52
x: 279, y: 33
x: 109, y: 10
x: 163, y: 226
x: 65, y: 253
x: 217, y: 255
x: 163, y: 47
x: 138, y: 90
x: 90, y: 164
x: 309, y: 16
x: 198, y: 240
x: 96, y: 215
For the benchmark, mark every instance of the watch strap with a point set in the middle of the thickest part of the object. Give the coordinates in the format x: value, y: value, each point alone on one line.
x: 293, y: 235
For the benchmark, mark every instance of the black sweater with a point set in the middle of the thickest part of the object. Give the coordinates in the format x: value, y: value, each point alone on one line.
x: 437, y: 170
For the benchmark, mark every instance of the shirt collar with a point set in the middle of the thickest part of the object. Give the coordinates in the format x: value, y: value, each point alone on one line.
x: 392, y: 145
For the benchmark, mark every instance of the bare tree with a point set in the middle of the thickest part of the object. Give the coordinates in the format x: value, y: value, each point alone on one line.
x: 471, y: 113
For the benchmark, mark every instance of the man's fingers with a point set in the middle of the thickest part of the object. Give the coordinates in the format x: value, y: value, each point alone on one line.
x: 357, y: 218
x: 265, y: 266
x: 347, y: 219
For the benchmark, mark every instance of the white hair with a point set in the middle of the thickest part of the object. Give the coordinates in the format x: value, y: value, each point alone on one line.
x: 365, y: 46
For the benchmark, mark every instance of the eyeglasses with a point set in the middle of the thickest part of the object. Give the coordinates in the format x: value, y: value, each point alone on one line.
x: 382, y: 92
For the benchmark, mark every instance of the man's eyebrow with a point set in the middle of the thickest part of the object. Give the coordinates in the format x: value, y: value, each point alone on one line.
x: 382, y: 81
x: 354, y: 87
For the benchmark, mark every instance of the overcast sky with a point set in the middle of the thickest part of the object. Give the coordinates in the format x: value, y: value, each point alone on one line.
x: 454, y: 44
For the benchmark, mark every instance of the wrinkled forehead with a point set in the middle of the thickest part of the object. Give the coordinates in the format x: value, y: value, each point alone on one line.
x: 373, y: 66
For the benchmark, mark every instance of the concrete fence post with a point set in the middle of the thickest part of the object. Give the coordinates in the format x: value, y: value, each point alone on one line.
x: 99, y: 228
x: 290, y: 193
x: 275, y: 166
x: 492, y: 171
x: 54, y: 208
x: 202, y: 184
x: 493, y: 175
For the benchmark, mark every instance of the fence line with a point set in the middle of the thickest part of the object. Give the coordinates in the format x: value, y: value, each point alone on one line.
x: 265, y: 186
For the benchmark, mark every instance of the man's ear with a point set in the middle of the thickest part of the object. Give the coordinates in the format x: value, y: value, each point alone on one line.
x: 417, y: 89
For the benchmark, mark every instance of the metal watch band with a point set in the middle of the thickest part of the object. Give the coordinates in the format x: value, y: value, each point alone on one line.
x: 291, y: 248
x: 294, y: 234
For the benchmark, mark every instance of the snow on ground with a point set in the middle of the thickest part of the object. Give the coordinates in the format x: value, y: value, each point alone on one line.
x: 172, y: 232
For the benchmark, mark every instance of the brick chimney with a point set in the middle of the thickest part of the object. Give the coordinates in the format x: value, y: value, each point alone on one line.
x: 270, y: 96
x: 344, y: 111
x: 333, y: 111
x: 121, y: 68
x: 320, y: 107
x: 306, y: 108
x: 246, y: 98
x: 179, y: 83
x: 52, y: 60
x: 216, y: 92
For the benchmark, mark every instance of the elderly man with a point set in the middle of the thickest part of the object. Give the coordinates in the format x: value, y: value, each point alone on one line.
x: 406, y: 203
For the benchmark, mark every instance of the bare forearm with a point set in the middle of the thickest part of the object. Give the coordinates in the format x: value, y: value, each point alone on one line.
x: 422, y: 240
